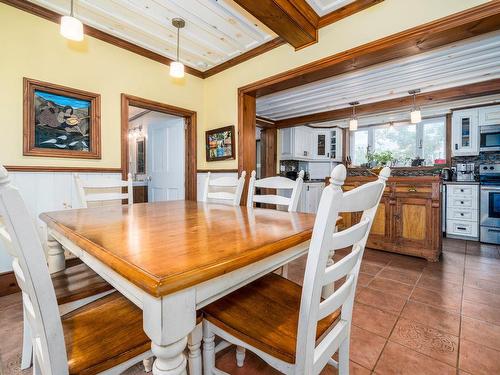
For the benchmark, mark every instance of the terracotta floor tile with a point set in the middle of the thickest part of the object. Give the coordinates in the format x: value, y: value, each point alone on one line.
x: 472, y: 260
x: 426, y: 340
x: 480, y: 332
x: 481, y: 296
x: 399, y: 360
x: 481, y: 311
x: 486, y: 285
x: 377, y: 257
x: 365, y: 347
x: 478, y: 359
x: 403, y: 276
x: 448, y: 301
x: 408, y: 263
x: 364, y: 279
x: 373, y: 319
x: 482, y: 274
x: 438, y: 284
x: 432, y: 316
x: 354, y: 369
x: 391, y: 286
x: 483, y: 252
x: 381, y: 300
x: 456, y: 278
x: 370, y: 268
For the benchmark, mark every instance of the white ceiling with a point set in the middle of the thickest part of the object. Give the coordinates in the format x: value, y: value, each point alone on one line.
x: 469, y: 61
x: 323, y: 7
x: 216, y: 30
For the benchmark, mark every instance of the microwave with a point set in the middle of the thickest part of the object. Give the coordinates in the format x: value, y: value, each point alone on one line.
x: 489, y: 138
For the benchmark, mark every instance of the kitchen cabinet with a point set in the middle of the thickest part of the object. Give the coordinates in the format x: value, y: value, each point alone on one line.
x: 465, y: 132
x: 462, y: 211
x: 287, y: 143
x: 321, y: 144
x: 310, y: 197
x: 408, y: 218
x: 303, y: 142
x: 489, y: 115
x: 336, y: 144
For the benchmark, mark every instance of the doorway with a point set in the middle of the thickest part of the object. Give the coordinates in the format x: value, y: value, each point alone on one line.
x: 158, y: 149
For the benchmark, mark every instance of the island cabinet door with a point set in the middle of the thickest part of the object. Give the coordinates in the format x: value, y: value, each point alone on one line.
x: 413, y: 222
x: 380, y: 233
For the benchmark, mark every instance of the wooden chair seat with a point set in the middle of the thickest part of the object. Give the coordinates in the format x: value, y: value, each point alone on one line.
x: 102, y: 334
x: 76, y: 283
x: 265, y: 314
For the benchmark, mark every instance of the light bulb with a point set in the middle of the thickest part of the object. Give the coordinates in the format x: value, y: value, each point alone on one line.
x: 353, y: 124
x: 177, y: 69
x: 71, y: 28
x: 415, y: 116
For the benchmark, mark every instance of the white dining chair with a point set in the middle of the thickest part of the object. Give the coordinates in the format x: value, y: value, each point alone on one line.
x: 98, y: 191
x: 279, y: 183
x: 224, y: 189
x: 294, y: 329
x: 104, y: 336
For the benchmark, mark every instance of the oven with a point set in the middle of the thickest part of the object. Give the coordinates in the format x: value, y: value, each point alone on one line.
x: 490, y: 203
x: 489, y: 138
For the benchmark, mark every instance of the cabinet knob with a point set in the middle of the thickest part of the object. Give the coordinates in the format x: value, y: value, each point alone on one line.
x: 456, y: 146
x: 412, y: 189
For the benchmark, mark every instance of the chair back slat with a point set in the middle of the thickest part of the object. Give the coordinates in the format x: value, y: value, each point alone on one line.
x: 31, y: 271
x: 313, y: 354
x: 103, y: 190
x: 279, y: 183
x: 226, y: 190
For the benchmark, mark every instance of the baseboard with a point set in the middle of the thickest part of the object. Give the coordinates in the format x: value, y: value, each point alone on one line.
x: 8, y: 283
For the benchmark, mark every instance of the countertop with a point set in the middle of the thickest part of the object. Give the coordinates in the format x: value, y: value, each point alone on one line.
x: 461, y: 182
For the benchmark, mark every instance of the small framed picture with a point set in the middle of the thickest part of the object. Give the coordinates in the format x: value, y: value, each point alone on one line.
x: 220, y: 143
x: 61, y: 121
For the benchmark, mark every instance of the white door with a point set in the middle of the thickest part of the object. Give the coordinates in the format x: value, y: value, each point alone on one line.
x: 165, y: 160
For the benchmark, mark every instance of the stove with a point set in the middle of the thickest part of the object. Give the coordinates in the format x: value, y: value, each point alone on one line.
x: 489, y: 177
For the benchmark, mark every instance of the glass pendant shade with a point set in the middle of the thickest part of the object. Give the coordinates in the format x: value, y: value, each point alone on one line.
x: 415, y: 116
x: 353, y: 124
x: 71, y: 28
x: 177, y: 69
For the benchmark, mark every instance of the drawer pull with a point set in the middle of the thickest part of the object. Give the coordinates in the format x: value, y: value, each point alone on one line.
x: 494, y: 230
x: 412, y: 189
x: 461, y: 202
x: 462, y: 190
x: 461, y: 228
x: 461, y: 214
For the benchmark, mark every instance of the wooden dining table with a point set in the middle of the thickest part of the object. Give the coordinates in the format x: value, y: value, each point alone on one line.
x: 172, y: 258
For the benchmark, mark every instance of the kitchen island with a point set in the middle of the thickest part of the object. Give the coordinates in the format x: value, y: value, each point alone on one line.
x: 408, y: 220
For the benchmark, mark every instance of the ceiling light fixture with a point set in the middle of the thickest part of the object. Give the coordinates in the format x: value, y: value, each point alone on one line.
x: 71, y: 28
x: 415, y: 114
x: 176, y: 67
x: 353, y: 122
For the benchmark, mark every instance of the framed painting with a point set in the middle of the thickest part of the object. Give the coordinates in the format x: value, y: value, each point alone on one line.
x: 61, y: 121
x: 220, y: 143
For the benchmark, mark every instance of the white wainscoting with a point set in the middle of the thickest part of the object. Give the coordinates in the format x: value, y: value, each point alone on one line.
x: 47, y: 191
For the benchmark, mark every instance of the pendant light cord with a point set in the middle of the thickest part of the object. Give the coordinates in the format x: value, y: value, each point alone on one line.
x: 72, y: 15
x: 178, y: 32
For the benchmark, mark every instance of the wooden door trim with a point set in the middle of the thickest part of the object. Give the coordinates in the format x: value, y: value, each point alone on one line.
x: 189, y: 116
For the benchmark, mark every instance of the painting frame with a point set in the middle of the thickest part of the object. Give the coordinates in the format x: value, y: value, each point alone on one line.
x: 30, y: 86
x: 212, y: 132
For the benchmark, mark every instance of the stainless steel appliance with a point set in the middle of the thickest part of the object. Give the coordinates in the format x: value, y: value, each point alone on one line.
x: 489, y: 138
x: 465, y: 172
x: 489, y: 176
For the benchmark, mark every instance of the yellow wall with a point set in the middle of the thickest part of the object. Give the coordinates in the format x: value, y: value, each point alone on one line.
x: 386, y: 18
x: 32, y: 47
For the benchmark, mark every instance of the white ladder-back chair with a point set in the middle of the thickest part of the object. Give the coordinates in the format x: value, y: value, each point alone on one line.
x: 276, y: 182
x: 324, y: 324
x: 224, y: 189
x: 103, y: 190
x: 49, y: 331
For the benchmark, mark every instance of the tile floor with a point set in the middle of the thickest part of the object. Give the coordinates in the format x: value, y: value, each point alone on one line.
x: 410, y: 316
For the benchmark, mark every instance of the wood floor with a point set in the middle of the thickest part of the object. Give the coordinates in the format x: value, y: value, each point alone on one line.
x: 410, y: 317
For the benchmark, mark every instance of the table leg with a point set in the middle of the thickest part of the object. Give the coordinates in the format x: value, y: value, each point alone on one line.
x: 55, y: 256
x: 168, y: 322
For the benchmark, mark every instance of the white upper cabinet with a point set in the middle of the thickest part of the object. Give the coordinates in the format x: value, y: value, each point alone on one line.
x: 489, y: 115
x: 321, y: 144
x: 303, y: 143
x: 465, y: 132
x: 287, y: 140
x: 336, y: 144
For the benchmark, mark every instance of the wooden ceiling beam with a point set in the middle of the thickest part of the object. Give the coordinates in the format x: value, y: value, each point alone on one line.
x: 472, y: 22
x: 472, y: 90
x: 293, y: 20
x: 263, y: 122
x: 346, y: 11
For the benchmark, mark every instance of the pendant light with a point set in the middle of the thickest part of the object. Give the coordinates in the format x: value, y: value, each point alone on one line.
x: 176, y: 67
x: 415, y: 114
x: 353, y: 122
x: 71, y: 28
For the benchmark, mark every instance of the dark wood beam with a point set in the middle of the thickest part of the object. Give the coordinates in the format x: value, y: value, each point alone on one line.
x: 292, y: 20
x: 265, y: 123
x: 439, y: 96
x: 472, y: 22
x: 247, y: 149
x: 346, y: 11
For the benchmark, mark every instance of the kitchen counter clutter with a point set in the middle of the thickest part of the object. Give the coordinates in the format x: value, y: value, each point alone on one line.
x: 408, y: 220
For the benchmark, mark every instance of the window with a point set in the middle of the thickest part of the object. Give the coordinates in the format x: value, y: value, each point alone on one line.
x: 405, y: 141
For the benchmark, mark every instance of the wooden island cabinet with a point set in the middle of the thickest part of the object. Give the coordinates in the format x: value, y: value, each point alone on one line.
x: 408, y: 219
